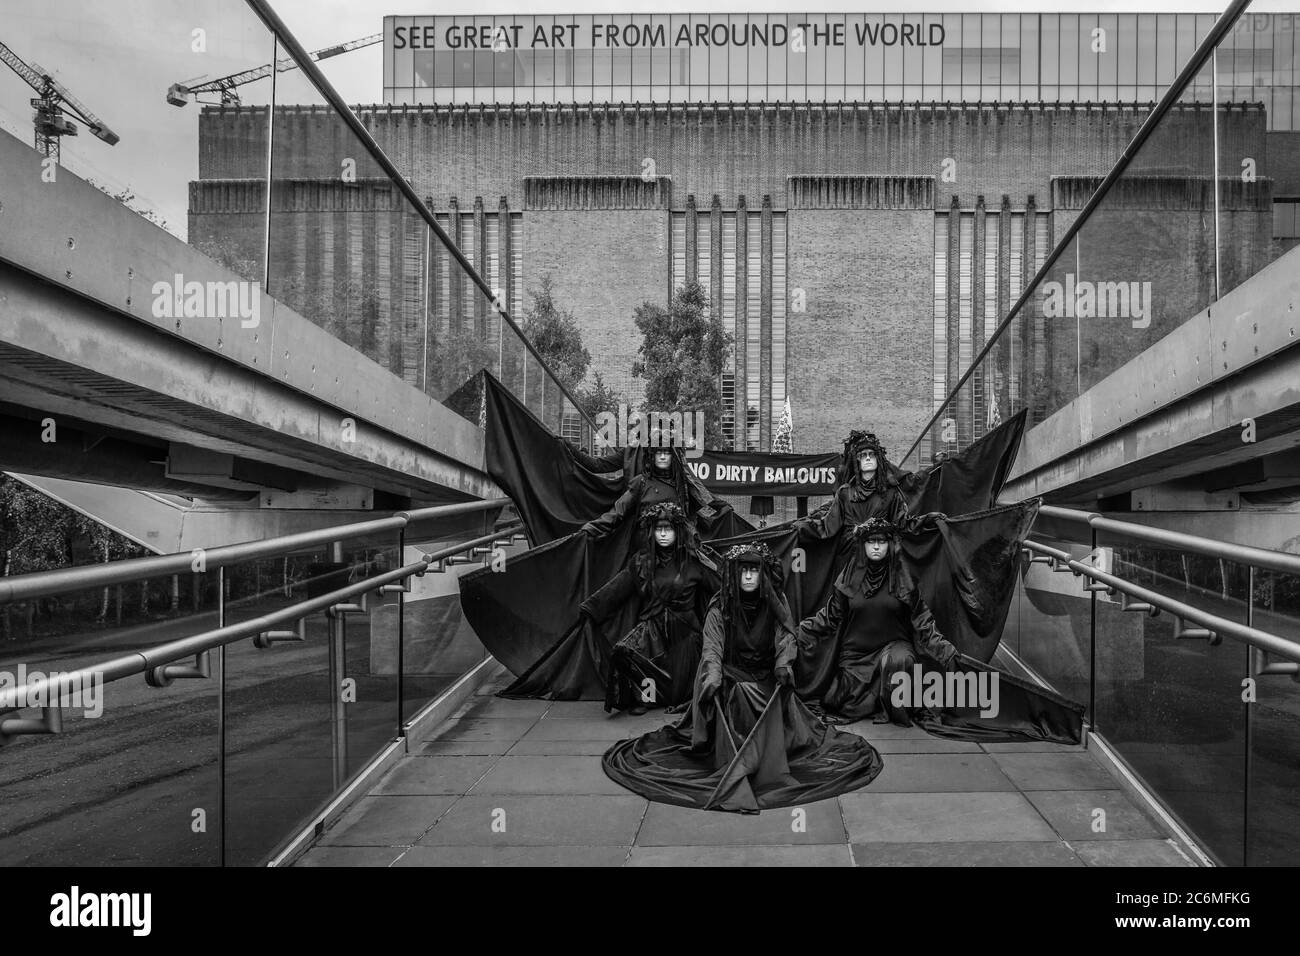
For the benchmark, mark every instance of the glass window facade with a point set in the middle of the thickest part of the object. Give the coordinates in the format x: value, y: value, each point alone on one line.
x: 807, y: 57
x: 754, y: 393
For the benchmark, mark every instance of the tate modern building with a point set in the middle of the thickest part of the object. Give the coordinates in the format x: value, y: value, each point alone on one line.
x: 861, y: 197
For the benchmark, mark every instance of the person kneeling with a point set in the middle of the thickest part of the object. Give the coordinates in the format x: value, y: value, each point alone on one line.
x: 880, y: 627
x: 747, y: 743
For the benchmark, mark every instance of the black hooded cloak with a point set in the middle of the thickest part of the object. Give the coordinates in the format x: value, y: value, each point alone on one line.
x: 747, y: 743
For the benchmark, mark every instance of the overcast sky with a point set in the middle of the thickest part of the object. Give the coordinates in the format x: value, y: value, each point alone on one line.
x: 120, y: 56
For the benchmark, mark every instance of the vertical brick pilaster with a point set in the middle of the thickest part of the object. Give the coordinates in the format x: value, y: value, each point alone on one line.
x: 715, y: 306
x: 766, y: 345
x: 481, y: 264
x: 743, y: 371
x: 1002, y: 355
x: 954, y: 307
x: 456, y: 318
x: 973, y: 410
x: 692, y: 252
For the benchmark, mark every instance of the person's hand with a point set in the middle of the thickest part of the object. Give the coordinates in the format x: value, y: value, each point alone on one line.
x: 709, y: 688
x: 953, y: 663
x: 785, y: 676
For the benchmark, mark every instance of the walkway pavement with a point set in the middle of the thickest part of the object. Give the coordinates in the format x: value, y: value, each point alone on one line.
x: 519, y: 782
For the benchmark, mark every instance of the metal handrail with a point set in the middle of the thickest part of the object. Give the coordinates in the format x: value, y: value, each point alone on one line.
x: 144, y: 661
x: 1215, y: 625
x: 323, y: 86
x: 39, y: 584
x: 1240, y: 553
x: 1180, y: 84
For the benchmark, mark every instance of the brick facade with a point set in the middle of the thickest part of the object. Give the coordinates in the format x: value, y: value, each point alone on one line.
x: 861, y: 188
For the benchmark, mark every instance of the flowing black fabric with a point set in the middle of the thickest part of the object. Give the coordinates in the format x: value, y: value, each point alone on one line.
x: 969, y: 481
x: 754, y: 746
x: 557, y: 490
x: 528, y: 616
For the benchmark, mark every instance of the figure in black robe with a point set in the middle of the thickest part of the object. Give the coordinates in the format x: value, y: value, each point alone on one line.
x: 747, y: 742
x: 869, y: 488
x: 878, y: 626
x: 642, y: 625
x: 662, y: 479
x: 670, y: 582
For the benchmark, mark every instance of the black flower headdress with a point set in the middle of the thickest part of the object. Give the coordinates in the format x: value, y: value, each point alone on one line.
x: 875, y: 526
x: 853, y: 447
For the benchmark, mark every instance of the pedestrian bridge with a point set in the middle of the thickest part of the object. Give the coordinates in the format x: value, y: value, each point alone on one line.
x: 311, y: 694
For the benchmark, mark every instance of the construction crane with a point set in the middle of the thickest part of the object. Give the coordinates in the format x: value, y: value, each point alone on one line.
x: 51, y: 124
x: 179, y: 94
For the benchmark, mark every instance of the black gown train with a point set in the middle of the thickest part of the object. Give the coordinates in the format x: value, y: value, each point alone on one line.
x: 751, y: 744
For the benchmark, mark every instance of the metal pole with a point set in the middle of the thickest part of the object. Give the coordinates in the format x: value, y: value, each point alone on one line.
x: 401, y: 633
x: 338, y: 717
x: 1248, y: 763
x: 221, y: 720
x: 1218, y: 276
x: 270, y: 144
x: 1092, y: 648
x: 1078, y: 323
x: 424, y: 378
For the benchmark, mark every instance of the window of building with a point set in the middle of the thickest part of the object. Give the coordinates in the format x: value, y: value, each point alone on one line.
x: 753, y: 390
x: 1286, y: 222
x: 998, y: 389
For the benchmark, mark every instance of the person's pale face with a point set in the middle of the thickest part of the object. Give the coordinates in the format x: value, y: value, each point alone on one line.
x: 749, y: 578
x: 665, y: 534
x: 867, y: 463
x: 663, y: 458
x: 877, y: 547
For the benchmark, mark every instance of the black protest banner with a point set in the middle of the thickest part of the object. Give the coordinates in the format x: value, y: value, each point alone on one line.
x: 765, y: 473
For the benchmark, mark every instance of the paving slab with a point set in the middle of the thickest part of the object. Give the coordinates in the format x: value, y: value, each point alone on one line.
x: 462, y: 748
x: 1030, y: 746
x: 965, y: 854
x: 530, y: 820
x: 427, y: 774
x: 386, y: 821
x: 940, y: 773
x: 942, y: 818
x: 497, y: 707
x: 560, y: 748
x: 1055, y: 771
x: 349, y: 856
x: 816, y: 855
x: 535, y: 765
x: 933, y: 745
x: 491, y: 728
x: 1131, y: 853
x: 547, y: 774
x: 865, y: 728
x: 1072, y: 814
x: 667, y: 825
x: 581, y: 730
x: 514, y: 856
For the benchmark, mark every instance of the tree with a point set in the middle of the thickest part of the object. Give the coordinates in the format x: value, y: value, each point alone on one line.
x: 598, y: 397
x: 684, y: 351
x: 454, y: 358
x: 556, y: 336
x: 227, y: 250
x: 128, y: 199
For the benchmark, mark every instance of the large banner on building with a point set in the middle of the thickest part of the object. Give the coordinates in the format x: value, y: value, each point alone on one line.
x: 766, y: 473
